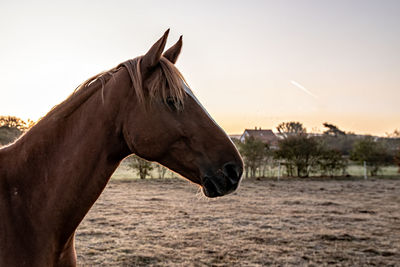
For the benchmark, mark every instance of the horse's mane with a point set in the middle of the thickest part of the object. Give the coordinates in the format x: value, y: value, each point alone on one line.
x: 166, y: 81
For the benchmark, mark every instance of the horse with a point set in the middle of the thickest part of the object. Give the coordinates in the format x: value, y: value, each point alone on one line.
x: 53, y: 174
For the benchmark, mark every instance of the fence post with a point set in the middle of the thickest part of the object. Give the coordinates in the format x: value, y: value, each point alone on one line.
x: 365, y: 170
x: 279, y: 170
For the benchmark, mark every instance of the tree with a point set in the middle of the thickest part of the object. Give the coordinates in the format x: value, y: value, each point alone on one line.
x: 342, y: 143
x: 395, y: 134
x: 300, y: 153
x: 8, y: 135
x: 374, y: 153
x: 331, y: 162
x: 254, y: 153
x: 161, y: 170
x: 13, y: 122
x: 141, y: 166
x: 333, y: 130
x: 11, y: 128
x: 287, y: 129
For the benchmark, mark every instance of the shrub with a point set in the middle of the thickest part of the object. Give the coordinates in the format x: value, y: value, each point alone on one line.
x: 300, y: 154
x: 331, y: 162
x: 141, y: 166
x: 374, y: 153
x: 254, y: 153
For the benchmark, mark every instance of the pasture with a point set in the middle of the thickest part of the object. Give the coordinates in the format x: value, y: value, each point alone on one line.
x: 265, y: 223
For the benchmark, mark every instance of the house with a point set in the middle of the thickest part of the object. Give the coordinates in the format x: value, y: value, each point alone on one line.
x: 266, y: 136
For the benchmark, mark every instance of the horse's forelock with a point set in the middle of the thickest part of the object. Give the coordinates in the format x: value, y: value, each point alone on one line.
x: 165, y: 82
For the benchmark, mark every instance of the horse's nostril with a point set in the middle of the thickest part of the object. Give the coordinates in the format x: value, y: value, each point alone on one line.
x: 232, y: 171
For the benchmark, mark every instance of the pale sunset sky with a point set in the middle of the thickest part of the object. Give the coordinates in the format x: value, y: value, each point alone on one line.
x: 251, y: 63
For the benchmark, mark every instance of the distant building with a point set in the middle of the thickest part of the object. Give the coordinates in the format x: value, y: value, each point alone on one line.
x: 266, y: 136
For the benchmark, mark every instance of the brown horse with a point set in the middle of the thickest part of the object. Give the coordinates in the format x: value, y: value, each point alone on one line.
x: 52, y: 175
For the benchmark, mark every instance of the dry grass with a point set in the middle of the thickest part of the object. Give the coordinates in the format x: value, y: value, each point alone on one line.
x: 290, y: 222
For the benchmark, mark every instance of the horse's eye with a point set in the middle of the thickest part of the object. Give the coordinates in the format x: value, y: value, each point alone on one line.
x: 172, y: 103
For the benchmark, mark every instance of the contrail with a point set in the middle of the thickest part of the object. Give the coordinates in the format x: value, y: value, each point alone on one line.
x: 303, y: 88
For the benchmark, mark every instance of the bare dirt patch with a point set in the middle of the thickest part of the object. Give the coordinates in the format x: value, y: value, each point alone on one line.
x: 290, y: 222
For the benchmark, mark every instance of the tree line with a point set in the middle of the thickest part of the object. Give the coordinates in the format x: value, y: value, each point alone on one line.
x: 301, y: 154
x: 298, y: 153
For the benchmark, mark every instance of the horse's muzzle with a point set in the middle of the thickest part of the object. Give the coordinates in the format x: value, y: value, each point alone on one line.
x: 224, y: 181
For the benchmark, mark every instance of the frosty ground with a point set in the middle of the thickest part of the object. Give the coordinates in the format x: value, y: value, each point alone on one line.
x: 265, y: 223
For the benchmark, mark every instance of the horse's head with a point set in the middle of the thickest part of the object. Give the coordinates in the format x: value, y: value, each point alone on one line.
x: 166, y: 123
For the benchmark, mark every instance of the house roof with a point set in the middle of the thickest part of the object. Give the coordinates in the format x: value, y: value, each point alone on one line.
x: 235, y: 136
x: 266, y: 136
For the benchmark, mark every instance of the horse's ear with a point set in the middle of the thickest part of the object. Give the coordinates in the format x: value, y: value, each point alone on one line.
x: 152, y: 57
x: 173, y: 52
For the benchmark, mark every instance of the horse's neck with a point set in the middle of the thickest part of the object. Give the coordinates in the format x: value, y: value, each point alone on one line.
x: 59, y: 168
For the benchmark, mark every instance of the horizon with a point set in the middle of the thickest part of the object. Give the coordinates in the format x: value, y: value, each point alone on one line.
x: 250, y: 64
x: 393, y: 134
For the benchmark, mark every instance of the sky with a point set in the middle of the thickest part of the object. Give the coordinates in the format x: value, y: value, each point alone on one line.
x: 251, y: 63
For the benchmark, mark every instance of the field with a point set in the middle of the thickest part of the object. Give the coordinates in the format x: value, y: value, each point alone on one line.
x: 265, y: 223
